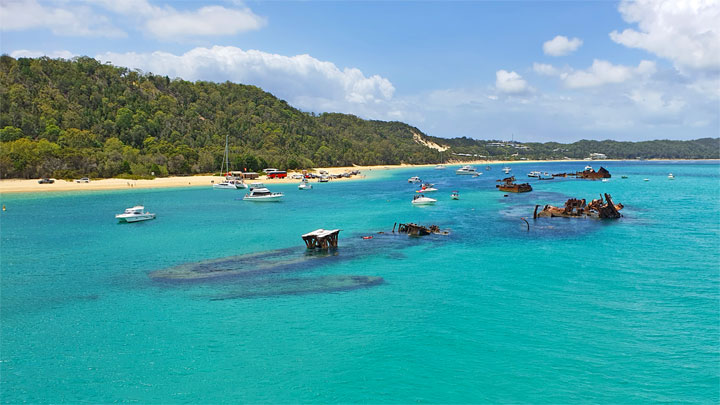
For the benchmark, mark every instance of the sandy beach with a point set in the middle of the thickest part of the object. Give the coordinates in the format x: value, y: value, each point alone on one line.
x: 32, y: 186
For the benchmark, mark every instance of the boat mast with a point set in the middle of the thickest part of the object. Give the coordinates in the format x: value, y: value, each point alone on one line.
x: 227, y: 155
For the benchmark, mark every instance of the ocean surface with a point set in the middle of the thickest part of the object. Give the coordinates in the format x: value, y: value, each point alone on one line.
x: 571, y: 310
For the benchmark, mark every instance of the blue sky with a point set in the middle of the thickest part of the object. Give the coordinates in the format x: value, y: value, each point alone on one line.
x: 535, y: 71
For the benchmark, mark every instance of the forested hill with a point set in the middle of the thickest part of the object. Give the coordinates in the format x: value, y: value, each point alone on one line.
x: 70, y: 118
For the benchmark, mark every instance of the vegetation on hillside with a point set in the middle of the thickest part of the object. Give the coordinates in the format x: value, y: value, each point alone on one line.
x: 82, y: 118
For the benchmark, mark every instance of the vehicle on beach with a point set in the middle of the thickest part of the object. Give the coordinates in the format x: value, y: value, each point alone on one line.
x: 134, y: 214
x: 324, y: 179
x: 414, y: 179
x: 46, y: 181
x: 83, y: 180
x: 422, y: 200
x: 276, y: 174
x: 296, y: 176
x: 258, y: 192
x: 466, y: 170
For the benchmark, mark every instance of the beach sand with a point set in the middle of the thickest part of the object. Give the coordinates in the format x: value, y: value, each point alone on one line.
x: 32, y: 186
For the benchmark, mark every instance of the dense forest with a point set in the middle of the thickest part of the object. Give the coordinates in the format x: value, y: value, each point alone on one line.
x: 77, y: 118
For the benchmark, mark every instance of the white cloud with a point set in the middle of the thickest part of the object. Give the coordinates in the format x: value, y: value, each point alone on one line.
x: 25, y: 53
x: 510, y: 82
x: 561, y: 45
x: 302, y: 80
x: 207, y: 21
x: 685, y: 32
x: 71, y: 20
x: 544, y: 69
x: 654, y: 101
x: 603, y: 72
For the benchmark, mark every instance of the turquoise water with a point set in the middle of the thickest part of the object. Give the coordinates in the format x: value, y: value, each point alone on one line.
x: 572, y: 310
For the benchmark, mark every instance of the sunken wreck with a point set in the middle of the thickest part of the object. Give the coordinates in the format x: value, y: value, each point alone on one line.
x: 508, y: 185
x: 575, y: 208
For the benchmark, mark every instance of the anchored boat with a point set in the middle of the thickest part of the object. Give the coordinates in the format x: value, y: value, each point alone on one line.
x: 134, y: 214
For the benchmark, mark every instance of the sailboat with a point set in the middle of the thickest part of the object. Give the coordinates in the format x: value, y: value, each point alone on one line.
x: 230, y: 183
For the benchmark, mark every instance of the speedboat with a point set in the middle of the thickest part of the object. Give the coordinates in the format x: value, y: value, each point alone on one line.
x: 646, y: 179
x: 587, y: 168
x: 534, y: 174
x: 466, y: 170
x: 262, y: 194
x: 671, y: 177
x: 422, y: 200
x: 506, y: 169
x: 427, y: 188
x: 455, y: 195
x: 134, y: 214
x: 305, y: 185
x: 477, y: 174
x: 440, y: 167
x: 414, y: 179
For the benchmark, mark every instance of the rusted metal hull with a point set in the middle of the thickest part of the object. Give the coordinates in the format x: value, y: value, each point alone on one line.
x: 575, y: 208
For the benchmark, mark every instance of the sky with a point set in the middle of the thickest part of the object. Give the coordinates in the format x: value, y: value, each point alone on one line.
x: 532, y: 71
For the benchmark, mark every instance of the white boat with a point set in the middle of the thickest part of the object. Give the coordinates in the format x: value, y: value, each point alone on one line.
x: 414, y: 179
x: 534, y: 174
x: 422, y: 200
x: 587, y: 168
x: 646, y: 179
x: 134, y: 214
x: 440, y: 167
x: 262, y: 194
x: 305, y: 185
x: 427, y: 188
x: 455, y: 195
x: 671, y: 177
x: 466, y: 170
x: 231, y: 184
x: 506, y: 169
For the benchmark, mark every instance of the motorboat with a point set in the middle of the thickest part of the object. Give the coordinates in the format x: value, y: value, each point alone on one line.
x: 414, y: 179
x: 671, y: 177
x: 422, y: 200
x: 534, y: 174
x: 440, y: 167
x: 134, y: 214
x: 256, y: 185
x: 455, y: 195
x: 506, y: 170
x: 232, y: 184
x: 587, y: 168
x: 323, y: 179
x: 262, y: 194
x: 646, y: 179
x: 623, y: 177
x: 305, y: 185
x: 466, y: 170
x: 427, y: 188
x: 477, y: 174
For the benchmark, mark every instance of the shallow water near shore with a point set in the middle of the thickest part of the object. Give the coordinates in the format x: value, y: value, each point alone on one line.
x: 571, y: 310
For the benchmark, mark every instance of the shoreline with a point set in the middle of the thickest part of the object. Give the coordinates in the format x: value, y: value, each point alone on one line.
x: 11, y: 186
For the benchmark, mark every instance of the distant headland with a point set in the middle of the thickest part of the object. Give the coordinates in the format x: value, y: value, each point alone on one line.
x: 82, y: 118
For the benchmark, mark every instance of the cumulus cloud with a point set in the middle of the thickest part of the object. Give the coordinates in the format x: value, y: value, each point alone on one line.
x: 71, y: 20
x: 165, y: 23
x: 561, y: 45
x: 304, y: 81
x: 510, y: 82
x: 603, y: 72
x: 685, y: 32
x: 207, y: 21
